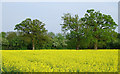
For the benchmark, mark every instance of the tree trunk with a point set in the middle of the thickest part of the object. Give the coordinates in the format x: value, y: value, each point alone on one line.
x: 96, y: 40
x: 33, y: 44
x: 77, y: 47
x: 95, y: 45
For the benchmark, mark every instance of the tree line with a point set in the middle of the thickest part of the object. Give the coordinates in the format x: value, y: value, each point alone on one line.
x: 94, y: 30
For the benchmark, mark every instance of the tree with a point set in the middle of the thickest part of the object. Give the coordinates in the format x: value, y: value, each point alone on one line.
x: 114, y: 44
x: 51, y: 37
x: 3, y: 34
x: 74, y: 28
x: 3, y: 41
x: 31, y: 29
x: 101, y: 27
x: 43, y: 41
x: 55, y: 41
x: 17, y: 41
x: 14, y: 41
x: 72, y: 41
x: 59, y: 41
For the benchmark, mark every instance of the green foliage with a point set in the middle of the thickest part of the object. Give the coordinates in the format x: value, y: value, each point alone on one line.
x: 57, y: 41
x: 3, y: 41
x: 114, y: 43
x: 74, y: 28
x: 3, y: 34
x: 94, y: 30
x: 101, y: 27
x: 33, y: 29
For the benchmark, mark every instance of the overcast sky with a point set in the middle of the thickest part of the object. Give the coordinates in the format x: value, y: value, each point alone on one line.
x: 50, y: 12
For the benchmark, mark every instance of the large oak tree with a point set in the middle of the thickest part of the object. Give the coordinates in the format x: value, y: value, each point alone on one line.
x: 31, y: 28
x: 73, y: 26
x: 101, y: 27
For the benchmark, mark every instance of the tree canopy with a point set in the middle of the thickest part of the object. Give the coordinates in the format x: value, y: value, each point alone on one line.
x: 94, y: 30
x: 101, y: 27
x: 94, y: 27
x: 74, y: 28
x: 33, y: 28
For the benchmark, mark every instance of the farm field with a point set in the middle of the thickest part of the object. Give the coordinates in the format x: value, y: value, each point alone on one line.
x: 0, y: 61
x: 59, y: 60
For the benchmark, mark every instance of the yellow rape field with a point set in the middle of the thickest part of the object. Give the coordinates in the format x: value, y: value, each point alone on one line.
x: 0, y: 60
x: 59, y: 60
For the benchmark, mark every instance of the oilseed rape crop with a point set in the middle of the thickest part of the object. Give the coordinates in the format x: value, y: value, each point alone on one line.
x: 0, y: 60
x: 59, y: 60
